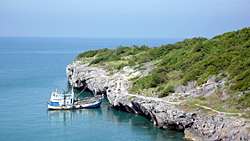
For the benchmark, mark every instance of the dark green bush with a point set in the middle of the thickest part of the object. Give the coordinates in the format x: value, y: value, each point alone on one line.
x: 170, y: 89
x: 121, y: 66
x: 91, y: 53
x: 227, y: 83
x: 160, y: 88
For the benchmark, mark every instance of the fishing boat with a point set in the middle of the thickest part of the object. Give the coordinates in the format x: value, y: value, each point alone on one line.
x: 64, y: 101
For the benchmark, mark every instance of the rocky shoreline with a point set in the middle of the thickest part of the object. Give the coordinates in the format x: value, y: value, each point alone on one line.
x: 163, y: 113
x: 196, y: 126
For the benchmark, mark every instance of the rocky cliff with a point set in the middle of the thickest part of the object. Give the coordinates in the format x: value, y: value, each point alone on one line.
x: 160, y: 111
x: 196, y: 126
x: 80, y: 76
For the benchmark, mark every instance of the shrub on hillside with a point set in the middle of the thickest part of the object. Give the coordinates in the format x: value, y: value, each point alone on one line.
x: 160, y: 88
x: 170, y: 89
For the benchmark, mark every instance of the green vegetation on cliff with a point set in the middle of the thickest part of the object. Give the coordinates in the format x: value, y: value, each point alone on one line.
x: 194, y: 59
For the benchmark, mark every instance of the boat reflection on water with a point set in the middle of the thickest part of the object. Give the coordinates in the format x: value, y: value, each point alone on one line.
x: 70, y: 115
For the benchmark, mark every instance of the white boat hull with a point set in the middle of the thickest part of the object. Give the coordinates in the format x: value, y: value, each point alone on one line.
x: 59, y: 108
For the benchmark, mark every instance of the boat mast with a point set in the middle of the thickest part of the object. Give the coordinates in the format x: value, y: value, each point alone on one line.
x: 64, y: 97
x: 56, y: 88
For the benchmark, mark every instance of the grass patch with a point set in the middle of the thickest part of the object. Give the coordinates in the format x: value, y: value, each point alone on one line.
x: 175, y: 75
x: 190, y: 107
x: 132, y: 97
x: 217, y: 104
x: 114, y: 65
x: 148, y: 93
x: 246, y: 116
x: 195, y: 101
x: 181, y: 98
x: 153, y: 63
x: 83, y: 59
x: 218, y: 108
x: 233, y: 110
x: 231, y: 115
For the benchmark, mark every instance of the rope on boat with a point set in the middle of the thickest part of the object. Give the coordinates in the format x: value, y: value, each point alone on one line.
x: 91, y: 86
x: 82, y: 90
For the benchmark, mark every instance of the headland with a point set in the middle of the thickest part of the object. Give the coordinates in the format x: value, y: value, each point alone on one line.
x: 197, y: 86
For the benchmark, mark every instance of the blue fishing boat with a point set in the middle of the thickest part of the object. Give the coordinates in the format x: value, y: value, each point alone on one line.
x: 61, y: 101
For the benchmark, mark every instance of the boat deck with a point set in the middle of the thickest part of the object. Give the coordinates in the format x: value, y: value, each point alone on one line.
x: 88, y: 100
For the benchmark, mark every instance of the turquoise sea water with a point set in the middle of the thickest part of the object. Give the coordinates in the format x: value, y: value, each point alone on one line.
x: 32, y: 67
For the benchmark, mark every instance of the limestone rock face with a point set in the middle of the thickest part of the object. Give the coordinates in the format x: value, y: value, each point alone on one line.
x: 203, y: 90
x: 80, y: 76
x: 196, y: 126
x: 183, y: 89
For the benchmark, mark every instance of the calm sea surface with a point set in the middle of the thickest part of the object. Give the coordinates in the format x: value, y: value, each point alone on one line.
x: 32, y: 67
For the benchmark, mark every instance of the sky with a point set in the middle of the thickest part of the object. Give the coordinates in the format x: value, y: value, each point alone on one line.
x: 122, y: 18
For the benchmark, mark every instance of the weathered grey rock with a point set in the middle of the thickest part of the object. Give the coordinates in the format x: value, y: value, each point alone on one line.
x: 211, y: 79
x: 232, y: 84
x: 155, y: 95
x: 208, y: 89
x: 148, y: 62
x: 203, y: 90
x: 148, y: 69
x: 247, y: 91
x: 184, y: 89
x: 225, y: 95
x: 136, y: 66
x: 195, y: 126
x: 79, y: 76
